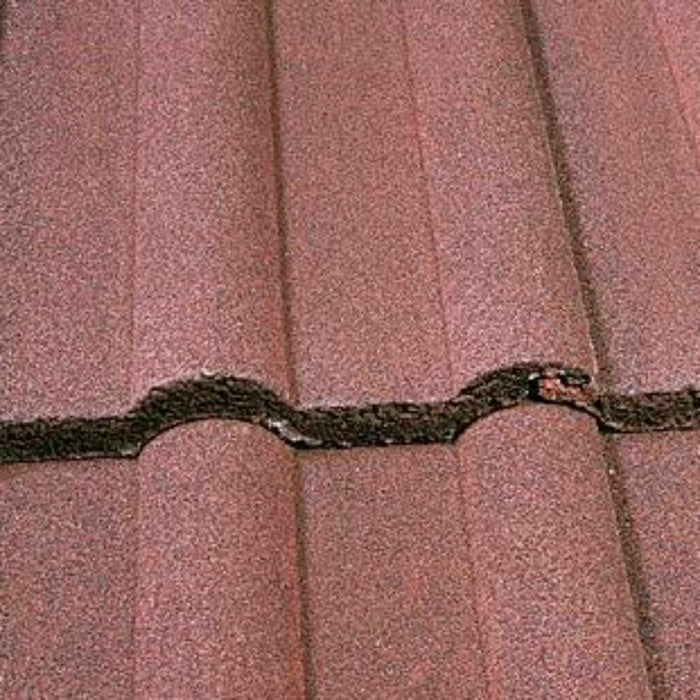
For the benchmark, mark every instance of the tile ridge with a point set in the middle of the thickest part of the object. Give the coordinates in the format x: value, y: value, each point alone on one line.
x: 219, y: 396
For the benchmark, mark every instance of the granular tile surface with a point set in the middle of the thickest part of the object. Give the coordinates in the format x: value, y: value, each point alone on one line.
x: 276, y: 226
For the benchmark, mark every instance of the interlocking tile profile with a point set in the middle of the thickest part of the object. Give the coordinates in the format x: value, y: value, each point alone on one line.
x: 350, y: 211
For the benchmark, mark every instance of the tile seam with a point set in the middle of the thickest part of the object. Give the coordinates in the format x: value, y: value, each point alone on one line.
x: 134, y: 203
x: 635, y: 571
x: 281, y: 218
x: 556, y: 145
x: 306, y: 627
x: 481, y: 637
x: 4, y: 19
x: 305, y: 636
x: 570, y: 207
x: 216, y: 396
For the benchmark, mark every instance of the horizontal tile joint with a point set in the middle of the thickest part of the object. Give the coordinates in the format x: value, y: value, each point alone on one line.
x: 216, y: 396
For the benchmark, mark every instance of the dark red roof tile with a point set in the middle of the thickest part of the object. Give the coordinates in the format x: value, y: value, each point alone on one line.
x: 217, y: 604
x: 67, y: 579
x: 678, y: 23
x: 350, y: 202
x: 553, y: 602
x: 206, y: 277
x: 362, y: 258
x: 389, y: 576
x: 659, y: 494
x: 508, y: 278
x: 635, y: 177
x: 67, y: 85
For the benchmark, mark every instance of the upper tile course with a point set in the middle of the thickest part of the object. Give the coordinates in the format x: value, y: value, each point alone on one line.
x: 636, y: 186
x: 326, y: 200
x: 67, y: 87
x: 207, y: 279
x: 679, y: 25
x: 365, y: 293
x: 508, y: 277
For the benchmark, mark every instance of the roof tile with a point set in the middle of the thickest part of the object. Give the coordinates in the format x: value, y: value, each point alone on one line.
x: 66, y: 200
x: 362, y: 259
x: 348, y: 203
x: 207, y: 269
x: 217, y: 605
x: 67, y: 579
x: 635, y: 179
x: 389, y: 576
x: 552, y: 597
x: 508, y: 277
x: 659, y: 496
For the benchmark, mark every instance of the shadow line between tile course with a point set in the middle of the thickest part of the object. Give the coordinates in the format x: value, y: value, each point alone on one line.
x: 219, y: 396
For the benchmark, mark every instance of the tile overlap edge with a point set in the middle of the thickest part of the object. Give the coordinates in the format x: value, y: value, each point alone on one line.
x: 218, y: 396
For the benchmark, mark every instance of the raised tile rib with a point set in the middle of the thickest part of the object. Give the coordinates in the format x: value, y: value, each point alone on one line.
x: 67, y: 88
x: 207, y: 280
x: 658, y: 493
x: 67, y: 578
x: 679, y: 24
x: 636, y: 186
x: 217, y: 603
x: 390, y: 611
x: 552, y: 597
x: 508, y: 277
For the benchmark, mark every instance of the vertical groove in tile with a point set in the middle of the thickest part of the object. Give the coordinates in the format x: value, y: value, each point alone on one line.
x: 389, y: 576
x: 218, y: 604
x: 306, y: 626
x: 366, y: 308
x: 426, y: 189
x: 282, y: 225
x: 552, y: 596
x: 481, y: 640
x: 508, y: 279
x: 570, y: 206
x: 3, y: 27
x: 67, y: 579
x: 209, y: 293
x: 66, y: 88
x: 658, y: 487
x: 133, y: 217
x: 639, y: 585
x: 636, y: 181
